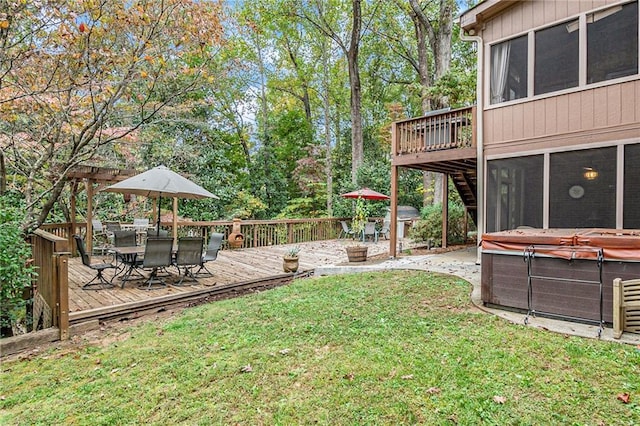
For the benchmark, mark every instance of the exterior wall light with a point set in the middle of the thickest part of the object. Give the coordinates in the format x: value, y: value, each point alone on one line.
x: 590, y: 173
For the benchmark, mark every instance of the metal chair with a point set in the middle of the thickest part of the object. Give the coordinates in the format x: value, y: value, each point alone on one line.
x: 158, y: 254
x: 211, y: 254
x: 386, y: 229
x: 101, y: 237
x: 99, y: 280
x: 112, y: 226
x: 141, y: 225
x: 370, y: 230
x: 189, y: 256
x: 345, y: 230
x: 124, y: 238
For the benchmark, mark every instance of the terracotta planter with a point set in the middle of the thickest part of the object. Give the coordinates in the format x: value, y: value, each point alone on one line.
x: 357, y: 253
x: 290, y: 264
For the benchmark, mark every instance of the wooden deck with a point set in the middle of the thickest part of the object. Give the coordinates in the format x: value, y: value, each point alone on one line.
x: 231, y: 266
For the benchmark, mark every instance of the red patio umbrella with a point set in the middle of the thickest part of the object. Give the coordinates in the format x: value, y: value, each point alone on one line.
x: 365, y: 193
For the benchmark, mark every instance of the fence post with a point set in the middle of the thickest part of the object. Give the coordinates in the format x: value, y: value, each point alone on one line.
x: 61, y: 262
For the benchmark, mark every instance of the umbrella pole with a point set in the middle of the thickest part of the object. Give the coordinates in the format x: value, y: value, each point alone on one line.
x: 158, y: 222
x: 175, y: 220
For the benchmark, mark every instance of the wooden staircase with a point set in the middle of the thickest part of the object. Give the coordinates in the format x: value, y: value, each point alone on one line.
x: 466, y: 184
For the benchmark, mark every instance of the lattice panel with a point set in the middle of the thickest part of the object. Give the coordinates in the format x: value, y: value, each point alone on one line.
x: 42, y: 315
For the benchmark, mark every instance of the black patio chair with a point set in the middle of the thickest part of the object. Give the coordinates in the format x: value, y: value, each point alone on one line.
x: 211, y: 254
x: 158, y: 254
x: 124, y: 238
x: 130, y: 262
x: 112, y: 227
x: 99, y: 281
x: 189, y: 256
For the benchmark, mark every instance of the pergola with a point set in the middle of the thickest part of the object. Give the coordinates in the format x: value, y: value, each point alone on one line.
x: 94, y: 179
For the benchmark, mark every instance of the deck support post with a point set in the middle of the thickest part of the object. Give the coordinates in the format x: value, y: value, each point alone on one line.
x: 445, y: 209
x: 394, y: 196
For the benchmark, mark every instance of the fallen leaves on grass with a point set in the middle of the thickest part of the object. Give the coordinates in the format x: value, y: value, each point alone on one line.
x: 499, y: 399
x: 349, y: 376
x: 624, y: 397
x: 407, y: 377
x: 433, y: 390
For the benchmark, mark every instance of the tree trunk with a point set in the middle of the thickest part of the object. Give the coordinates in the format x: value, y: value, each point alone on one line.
x: 439, y: 40
x: 357, y: 144
x: 328, y: 166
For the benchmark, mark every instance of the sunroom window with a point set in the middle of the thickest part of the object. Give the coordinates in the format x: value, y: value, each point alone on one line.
x: 556, y: 57
x: 582, y: 189
x: 631, y: 209
x: 509, y: 70
x: 612, y: 40
x: 514, y: 193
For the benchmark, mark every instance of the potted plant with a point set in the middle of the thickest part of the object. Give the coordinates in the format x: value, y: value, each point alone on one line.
x: 358, y: 252
x: 290, y: 260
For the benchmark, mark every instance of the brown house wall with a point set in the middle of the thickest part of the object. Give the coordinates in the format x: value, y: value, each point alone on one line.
x: 587, y: 116
x: 527, y: 14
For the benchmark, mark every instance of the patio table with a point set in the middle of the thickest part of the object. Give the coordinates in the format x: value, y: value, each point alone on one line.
x: 131, y: 259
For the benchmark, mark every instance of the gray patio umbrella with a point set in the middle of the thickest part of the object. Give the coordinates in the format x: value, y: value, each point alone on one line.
x: 159, y: 182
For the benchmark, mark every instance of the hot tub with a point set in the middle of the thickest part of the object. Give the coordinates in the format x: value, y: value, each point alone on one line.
x: 558, y: 272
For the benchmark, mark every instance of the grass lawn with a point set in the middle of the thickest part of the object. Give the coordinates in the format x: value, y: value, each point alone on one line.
x: 375, y: 348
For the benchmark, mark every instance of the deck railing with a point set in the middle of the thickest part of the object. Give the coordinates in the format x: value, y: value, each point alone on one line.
x: 446, y: 130
x: 263, y: 233
x: 51, y: 287
x: 256, y: 233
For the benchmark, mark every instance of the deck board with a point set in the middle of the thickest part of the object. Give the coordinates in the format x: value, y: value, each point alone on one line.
x: 231, y: 266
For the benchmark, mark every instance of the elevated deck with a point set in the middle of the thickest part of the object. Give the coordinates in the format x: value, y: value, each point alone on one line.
x: 443, y: 142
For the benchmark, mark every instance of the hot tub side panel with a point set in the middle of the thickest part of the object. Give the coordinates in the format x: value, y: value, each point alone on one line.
x: 504, y: 283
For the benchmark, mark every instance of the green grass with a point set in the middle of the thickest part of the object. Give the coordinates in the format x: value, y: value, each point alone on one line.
x: 379, y: 348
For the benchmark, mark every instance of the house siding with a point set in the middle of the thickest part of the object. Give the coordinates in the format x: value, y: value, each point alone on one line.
x: 608, y: 112
x: 527, y: 14
x: 596, y: 115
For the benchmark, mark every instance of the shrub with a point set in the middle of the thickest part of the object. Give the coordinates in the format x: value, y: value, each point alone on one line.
x: 429, y: 227
x: 15, y: 272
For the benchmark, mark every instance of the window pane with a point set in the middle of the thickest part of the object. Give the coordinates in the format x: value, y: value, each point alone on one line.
x: 631, y: 214
x: 556, y: 58
x: 612, y: 39
x: 509, y: 70
x: 582, y: 189
x: 514, y: 193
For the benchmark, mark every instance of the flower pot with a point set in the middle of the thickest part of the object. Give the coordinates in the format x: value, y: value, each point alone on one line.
x: 357, y: 253
x: 290, y: 264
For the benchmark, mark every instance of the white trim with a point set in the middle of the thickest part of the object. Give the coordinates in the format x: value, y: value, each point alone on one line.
x: 591, y: 86
x: 582, y: 53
